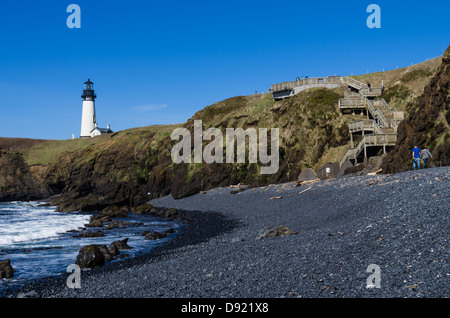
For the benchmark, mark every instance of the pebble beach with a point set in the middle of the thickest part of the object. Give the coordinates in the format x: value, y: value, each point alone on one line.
x: 326, y: 237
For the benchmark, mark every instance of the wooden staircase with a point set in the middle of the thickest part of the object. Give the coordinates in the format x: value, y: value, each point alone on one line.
x: 380, y: 127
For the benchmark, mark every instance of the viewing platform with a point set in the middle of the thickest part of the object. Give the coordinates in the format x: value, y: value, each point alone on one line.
x: 289, y: 89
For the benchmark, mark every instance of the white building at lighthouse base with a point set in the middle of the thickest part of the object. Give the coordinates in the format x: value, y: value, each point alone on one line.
x: 100, y: 131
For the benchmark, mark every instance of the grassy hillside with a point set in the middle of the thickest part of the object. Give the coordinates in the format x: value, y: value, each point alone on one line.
x: 309, y: 123
x: 403, y: 85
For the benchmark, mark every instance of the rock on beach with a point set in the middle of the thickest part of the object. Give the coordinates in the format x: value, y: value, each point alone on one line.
x: 95, y: 255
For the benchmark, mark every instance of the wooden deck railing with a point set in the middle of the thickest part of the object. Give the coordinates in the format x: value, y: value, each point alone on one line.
x: 365, y: 125
x: 371, y: 91
x: 314, y: 81
x: 377, y: 114
x: 353, y: 83
x: 369, y: 141
x: 352, y: 103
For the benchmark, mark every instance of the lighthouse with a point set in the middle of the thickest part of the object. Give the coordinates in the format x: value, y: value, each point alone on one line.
x: 89, y: 126
x: 88, y: 120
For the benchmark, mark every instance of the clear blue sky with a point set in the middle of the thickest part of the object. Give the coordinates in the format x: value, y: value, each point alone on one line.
x: 158, y: 62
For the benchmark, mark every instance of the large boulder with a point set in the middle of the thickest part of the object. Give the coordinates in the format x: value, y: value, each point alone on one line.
x: 6, y: 270
x: 354, y: 169
x: 94, y: 223
x: 98, y: 254
x: 91, y: 256
x: 121, y: 245
x: 153, y: 235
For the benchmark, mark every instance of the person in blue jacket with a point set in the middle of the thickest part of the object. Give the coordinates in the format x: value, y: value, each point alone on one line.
x: 416, y: 157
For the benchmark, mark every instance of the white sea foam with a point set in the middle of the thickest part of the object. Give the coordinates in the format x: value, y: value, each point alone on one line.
x: 27, y: 222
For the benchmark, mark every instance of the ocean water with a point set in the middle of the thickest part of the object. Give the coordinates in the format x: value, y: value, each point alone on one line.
x: 37, y: 241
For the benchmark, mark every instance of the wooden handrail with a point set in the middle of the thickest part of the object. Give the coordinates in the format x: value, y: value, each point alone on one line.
x: 365, y: 124
x: 353, y: 82
x: 372, y: 91
x: 369, y: 140
x: 352, y: 103
x: 376, y: 113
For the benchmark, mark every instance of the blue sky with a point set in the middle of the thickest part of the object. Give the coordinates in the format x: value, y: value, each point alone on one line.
x: 158, y: 62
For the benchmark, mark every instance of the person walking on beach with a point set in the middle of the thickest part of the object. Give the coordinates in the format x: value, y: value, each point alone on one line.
x: 416, y: 157
x: 425, y: 155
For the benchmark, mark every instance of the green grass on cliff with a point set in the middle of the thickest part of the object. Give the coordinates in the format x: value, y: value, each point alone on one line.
x: 402, y: 85
x: 307, y: 122
x: 49, y: 151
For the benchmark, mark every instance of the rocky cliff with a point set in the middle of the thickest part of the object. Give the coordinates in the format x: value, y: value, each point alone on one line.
x: 427, y: 125
x: 17, y: 182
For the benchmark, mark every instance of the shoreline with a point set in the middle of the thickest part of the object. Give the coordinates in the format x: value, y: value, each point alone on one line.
x: 341, y: 226
x: 195, y: 228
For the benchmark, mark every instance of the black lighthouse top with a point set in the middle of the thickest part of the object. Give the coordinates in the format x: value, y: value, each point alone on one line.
x: 88, y: 92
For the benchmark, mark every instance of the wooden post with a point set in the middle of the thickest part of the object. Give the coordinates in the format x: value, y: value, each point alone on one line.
x: 365, y: 149
x: 367, y: 107
x: 365, y: 153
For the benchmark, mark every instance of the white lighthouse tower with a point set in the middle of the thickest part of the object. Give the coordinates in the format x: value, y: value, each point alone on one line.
x: 89, y: 126
x: 88, y: 120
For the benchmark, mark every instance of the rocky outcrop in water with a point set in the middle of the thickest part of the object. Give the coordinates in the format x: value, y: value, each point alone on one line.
x: 95, y: 255
x: 6, y: 270
x: 91, y: 256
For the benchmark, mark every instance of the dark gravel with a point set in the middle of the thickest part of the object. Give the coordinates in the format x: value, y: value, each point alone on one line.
x: 399, y: 222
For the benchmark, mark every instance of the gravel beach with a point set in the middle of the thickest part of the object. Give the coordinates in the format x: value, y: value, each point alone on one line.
x: 398, y: 223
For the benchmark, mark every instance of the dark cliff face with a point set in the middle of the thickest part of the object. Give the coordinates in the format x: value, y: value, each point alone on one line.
x: 17, y: 182
x: 427, y: 125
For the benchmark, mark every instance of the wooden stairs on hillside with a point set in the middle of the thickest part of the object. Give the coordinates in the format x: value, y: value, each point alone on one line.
x: 377, y: 131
